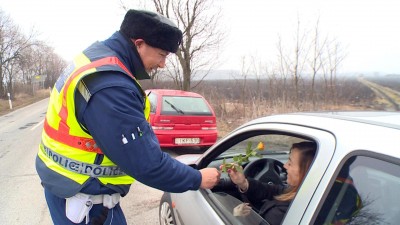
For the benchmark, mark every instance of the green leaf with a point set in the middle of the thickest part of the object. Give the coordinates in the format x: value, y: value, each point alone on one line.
x: 238, y: 160
x: 248, y: 151
x: 249, y: 144
x: 223, y: 165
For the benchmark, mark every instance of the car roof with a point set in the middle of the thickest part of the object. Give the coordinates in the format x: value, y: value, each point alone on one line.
x: 172, y: 92
x: 379, y: 118
x: 371, y: 131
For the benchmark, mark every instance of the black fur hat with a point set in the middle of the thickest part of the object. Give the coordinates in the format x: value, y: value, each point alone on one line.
x: 155, y: 29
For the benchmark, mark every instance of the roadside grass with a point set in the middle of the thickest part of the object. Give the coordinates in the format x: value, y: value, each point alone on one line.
x: 236, y: 114
x: 21, y: 100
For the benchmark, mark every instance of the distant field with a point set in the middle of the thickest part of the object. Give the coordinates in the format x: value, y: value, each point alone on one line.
x: 238, y: 101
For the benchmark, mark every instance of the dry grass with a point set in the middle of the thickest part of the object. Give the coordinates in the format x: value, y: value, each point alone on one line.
x: 232, y: 115
x: 21, y: 100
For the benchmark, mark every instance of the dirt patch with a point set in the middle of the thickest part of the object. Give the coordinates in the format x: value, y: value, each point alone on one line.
x: 385, y: 97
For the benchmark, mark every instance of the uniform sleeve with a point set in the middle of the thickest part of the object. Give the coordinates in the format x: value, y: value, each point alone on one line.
x: 114, y: 117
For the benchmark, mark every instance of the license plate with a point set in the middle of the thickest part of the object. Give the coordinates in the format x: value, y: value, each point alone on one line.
x: 185, y: 141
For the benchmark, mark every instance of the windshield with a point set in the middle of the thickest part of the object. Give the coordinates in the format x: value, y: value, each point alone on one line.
x: 174, y: 107
x: 184, y: 105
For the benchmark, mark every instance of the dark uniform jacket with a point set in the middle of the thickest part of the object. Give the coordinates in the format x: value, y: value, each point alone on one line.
x: 116, y: 107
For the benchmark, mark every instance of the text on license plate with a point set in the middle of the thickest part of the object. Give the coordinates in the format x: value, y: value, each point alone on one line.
x: 184, y: 141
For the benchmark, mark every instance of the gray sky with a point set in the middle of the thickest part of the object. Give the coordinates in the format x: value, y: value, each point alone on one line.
x: 367, y: 29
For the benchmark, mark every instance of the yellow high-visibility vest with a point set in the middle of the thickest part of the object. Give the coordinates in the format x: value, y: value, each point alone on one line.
x: 66, y: 148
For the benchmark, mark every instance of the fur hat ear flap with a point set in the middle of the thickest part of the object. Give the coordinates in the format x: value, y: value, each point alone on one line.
x: 155, y: 29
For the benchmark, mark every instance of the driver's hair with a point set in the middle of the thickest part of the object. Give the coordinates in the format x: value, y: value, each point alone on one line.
x: 307, y: 151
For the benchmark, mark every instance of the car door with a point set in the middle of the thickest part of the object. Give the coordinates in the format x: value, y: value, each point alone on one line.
x: 362, y: 192
x: 207, y: 206
x: 361, y: 182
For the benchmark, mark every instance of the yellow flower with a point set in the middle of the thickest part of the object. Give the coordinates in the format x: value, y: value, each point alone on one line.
x: 260, y: 146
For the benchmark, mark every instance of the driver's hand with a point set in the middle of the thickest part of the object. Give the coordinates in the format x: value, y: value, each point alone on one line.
x: 238, y: 178
x: 242, y: 210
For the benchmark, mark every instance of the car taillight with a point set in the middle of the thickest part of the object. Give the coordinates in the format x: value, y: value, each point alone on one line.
x: 162, y: 128
x: 208, y: 128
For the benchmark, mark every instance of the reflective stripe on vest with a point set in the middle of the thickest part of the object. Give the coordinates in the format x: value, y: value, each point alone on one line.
x: 92, y: 170
x: 86, y: 144
x: 62, y: 134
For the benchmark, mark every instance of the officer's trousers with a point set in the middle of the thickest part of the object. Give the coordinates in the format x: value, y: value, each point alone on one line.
x: 56, y: 205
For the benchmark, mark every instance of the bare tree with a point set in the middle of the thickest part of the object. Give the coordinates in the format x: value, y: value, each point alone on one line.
x: 48, y: 63
x: 300, y: 55
x: 54, y: 67
x: 335, y: 55
x: 312, y: 55
x: 316, y: 61
x: 292, y: 63
x: 202, y: 39
x: 12, y: 43
x: 283, y: 68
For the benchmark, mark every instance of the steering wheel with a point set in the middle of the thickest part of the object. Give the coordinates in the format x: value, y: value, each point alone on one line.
x: 266, y: 170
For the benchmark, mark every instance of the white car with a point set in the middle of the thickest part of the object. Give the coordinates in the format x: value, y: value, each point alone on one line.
x: 364, y: 145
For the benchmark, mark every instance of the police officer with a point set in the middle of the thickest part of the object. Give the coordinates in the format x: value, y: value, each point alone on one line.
x: 96, y: 139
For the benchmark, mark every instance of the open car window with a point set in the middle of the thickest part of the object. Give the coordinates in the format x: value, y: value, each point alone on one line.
x: 274, y: 144
x: 226, y: 196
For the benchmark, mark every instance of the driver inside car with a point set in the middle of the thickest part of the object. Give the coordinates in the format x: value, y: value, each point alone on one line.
x: 275, y: 199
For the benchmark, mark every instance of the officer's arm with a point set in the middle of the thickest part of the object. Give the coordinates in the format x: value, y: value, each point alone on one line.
x: 114, y: 117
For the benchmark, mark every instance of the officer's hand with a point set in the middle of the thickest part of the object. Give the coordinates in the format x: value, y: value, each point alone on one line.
x: 209, y: 178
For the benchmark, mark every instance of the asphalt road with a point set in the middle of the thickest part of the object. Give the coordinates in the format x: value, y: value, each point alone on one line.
x: 21, y: 195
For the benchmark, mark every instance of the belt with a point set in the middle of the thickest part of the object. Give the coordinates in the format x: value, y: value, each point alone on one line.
x: 77, y: 207
x: 108, y: 201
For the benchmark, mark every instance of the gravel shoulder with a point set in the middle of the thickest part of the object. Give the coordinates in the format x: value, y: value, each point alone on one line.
x: 140, y: 206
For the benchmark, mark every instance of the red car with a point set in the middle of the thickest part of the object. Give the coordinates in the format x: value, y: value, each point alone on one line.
x: 181, y: 118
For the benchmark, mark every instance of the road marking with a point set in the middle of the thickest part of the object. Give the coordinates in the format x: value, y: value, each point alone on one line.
x: 38, y: 124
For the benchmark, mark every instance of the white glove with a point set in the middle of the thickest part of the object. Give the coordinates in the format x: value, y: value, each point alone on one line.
x: 242, y: 210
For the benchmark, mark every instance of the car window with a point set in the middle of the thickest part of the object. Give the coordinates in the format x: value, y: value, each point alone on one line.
x: 362, y: 193
x: 173, y: 105
x: 226, y: 197
x: 153, y: 102
x: 274, y: 144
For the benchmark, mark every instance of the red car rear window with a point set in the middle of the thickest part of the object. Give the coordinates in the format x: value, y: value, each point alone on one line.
x: 182, y: 105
